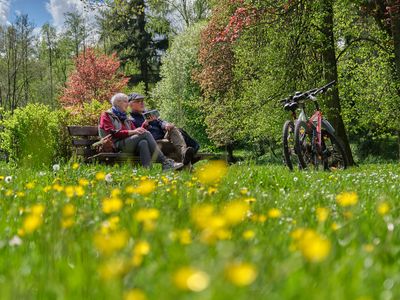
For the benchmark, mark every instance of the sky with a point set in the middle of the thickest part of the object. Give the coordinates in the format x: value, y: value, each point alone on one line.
x: 39, y: 11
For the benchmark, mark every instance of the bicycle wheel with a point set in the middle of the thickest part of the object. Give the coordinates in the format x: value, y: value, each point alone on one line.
x: 332, y: 156
x: 303, y: 144
x: 289, y: 153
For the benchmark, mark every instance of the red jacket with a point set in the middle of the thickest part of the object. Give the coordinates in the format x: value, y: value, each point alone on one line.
x: 107, y: 125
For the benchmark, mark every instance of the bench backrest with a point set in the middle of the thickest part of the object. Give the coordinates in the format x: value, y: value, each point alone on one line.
x: 83, y: 137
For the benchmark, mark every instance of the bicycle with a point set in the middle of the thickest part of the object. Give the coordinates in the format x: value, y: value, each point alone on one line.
x: 316, y: 144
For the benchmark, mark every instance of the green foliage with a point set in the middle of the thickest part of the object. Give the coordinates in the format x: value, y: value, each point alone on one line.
x: 177, y: 95
x: 62, y: 260
x: 30, y: 136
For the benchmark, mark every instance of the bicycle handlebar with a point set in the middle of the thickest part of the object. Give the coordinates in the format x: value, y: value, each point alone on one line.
x: 299, y: 96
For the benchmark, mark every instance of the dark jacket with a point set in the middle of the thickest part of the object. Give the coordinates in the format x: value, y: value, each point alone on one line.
x: 156, y: 128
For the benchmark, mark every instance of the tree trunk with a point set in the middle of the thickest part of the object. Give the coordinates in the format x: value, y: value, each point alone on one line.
x: 331, y: 74
x: 394, y: 13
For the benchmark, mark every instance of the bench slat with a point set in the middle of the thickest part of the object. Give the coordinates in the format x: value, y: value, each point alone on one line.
x: 83, y: 130
x: 83, y: 142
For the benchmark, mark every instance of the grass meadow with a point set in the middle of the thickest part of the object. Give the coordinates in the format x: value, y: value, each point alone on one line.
x: 240, y: 232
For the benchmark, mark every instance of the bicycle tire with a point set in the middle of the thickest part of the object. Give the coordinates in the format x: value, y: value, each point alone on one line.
x: 332, y: 156
x: 337, y: 158
x: 303, y: 143
x: 288, y: 149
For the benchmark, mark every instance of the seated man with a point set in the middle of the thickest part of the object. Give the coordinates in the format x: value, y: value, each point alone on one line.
x: 130, y: 139
x: 161, y: 129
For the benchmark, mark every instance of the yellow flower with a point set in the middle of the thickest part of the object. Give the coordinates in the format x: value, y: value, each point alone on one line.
x: 274, y: 213
x: 144, y: 188
x: 111, y: 205
x: 109, y: 243
x: 313, y: 246
x: 250, y: 200
x: 67, y: 223
x: 147, y: 216
x: 212, y: 172
x: 112, y: 268
x: 235, y: 212
x: 191, y: 279
x: 69, y: 191
x: 79, y: 191
x: 135, y: 294
x: 249, y: 234
x: 37, y: 209
x: 241, y: 274
x: 30, y: 185
x: 141, y: 248
x: 368, y: 248
x: 100, y: 176
x: 322, y: 214
x: 335, y: 226
x: 20, y: 194
x: 83, y: 182
x: 32, y: 222
x: 69, y: 210
x: 201, y: 213
x: 383, y: 208
x: 75, y: 166
x: 183, y: 236
x: 347, y: 199
x: 244, y: 191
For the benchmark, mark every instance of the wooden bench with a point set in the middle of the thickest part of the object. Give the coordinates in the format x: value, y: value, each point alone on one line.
x: 83, y: 137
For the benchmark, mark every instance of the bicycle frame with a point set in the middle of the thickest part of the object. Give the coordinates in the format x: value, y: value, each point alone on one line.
x: 317, y: 118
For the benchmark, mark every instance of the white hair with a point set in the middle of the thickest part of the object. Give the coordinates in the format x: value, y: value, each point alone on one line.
x: 117, y: 98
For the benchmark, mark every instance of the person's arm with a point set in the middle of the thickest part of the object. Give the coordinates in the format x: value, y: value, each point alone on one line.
x: 107, y: 125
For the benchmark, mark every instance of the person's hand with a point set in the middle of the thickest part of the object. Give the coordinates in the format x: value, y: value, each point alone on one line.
x: 169, y: 126
x: 137, y: 131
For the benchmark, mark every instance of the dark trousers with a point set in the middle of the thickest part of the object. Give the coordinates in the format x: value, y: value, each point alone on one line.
x: 143, y: 145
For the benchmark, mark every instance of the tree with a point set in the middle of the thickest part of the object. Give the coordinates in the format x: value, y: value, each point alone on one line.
x: 177, y: 94
x: 96, y: 77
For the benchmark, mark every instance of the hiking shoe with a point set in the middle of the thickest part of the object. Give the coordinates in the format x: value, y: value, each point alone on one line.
x: 188, y: 155
x: 169, y: 164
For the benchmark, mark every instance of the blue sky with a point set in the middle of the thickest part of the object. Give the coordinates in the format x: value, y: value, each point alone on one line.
x: 36, y: 10
x: 41, y: 11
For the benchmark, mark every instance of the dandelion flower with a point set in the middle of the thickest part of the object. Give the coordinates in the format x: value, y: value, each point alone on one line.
x: 241, y: 274
x: 191, y: 279
x: 347, y: 199
x: 274, y: 213
x: 212, y: 172
x: 56, y: 167
x: 322, y: 214
x: 383, y: 208
x: 135, y: 294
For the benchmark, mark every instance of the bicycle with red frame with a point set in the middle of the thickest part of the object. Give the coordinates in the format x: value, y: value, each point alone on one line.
x: 316, y: 144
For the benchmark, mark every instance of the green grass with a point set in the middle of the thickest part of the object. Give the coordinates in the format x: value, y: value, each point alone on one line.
x: 63, y: 263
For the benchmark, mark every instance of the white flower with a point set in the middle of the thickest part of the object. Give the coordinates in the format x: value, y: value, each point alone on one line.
x: 8, y: 179
x: 41, y: 173
x: 295, y: 179
x: 108, y: 178
x: 56, y: 167
x: 15, y: 241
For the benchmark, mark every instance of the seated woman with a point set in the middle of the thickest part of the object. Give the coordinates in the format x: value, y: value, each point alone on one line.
x: 129, y: 139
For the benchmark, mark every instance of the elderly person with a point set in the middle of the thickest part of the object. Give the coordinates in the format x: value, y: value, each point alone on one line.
x: 129, y: 139
x: 160, y: 129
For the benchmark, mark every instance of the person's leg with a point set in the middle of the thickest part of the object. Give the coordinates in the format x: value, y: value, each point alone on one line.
x: 136, y: 144
x: 155, y: 151
x: 144, y: 153
x: 177, y: 139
